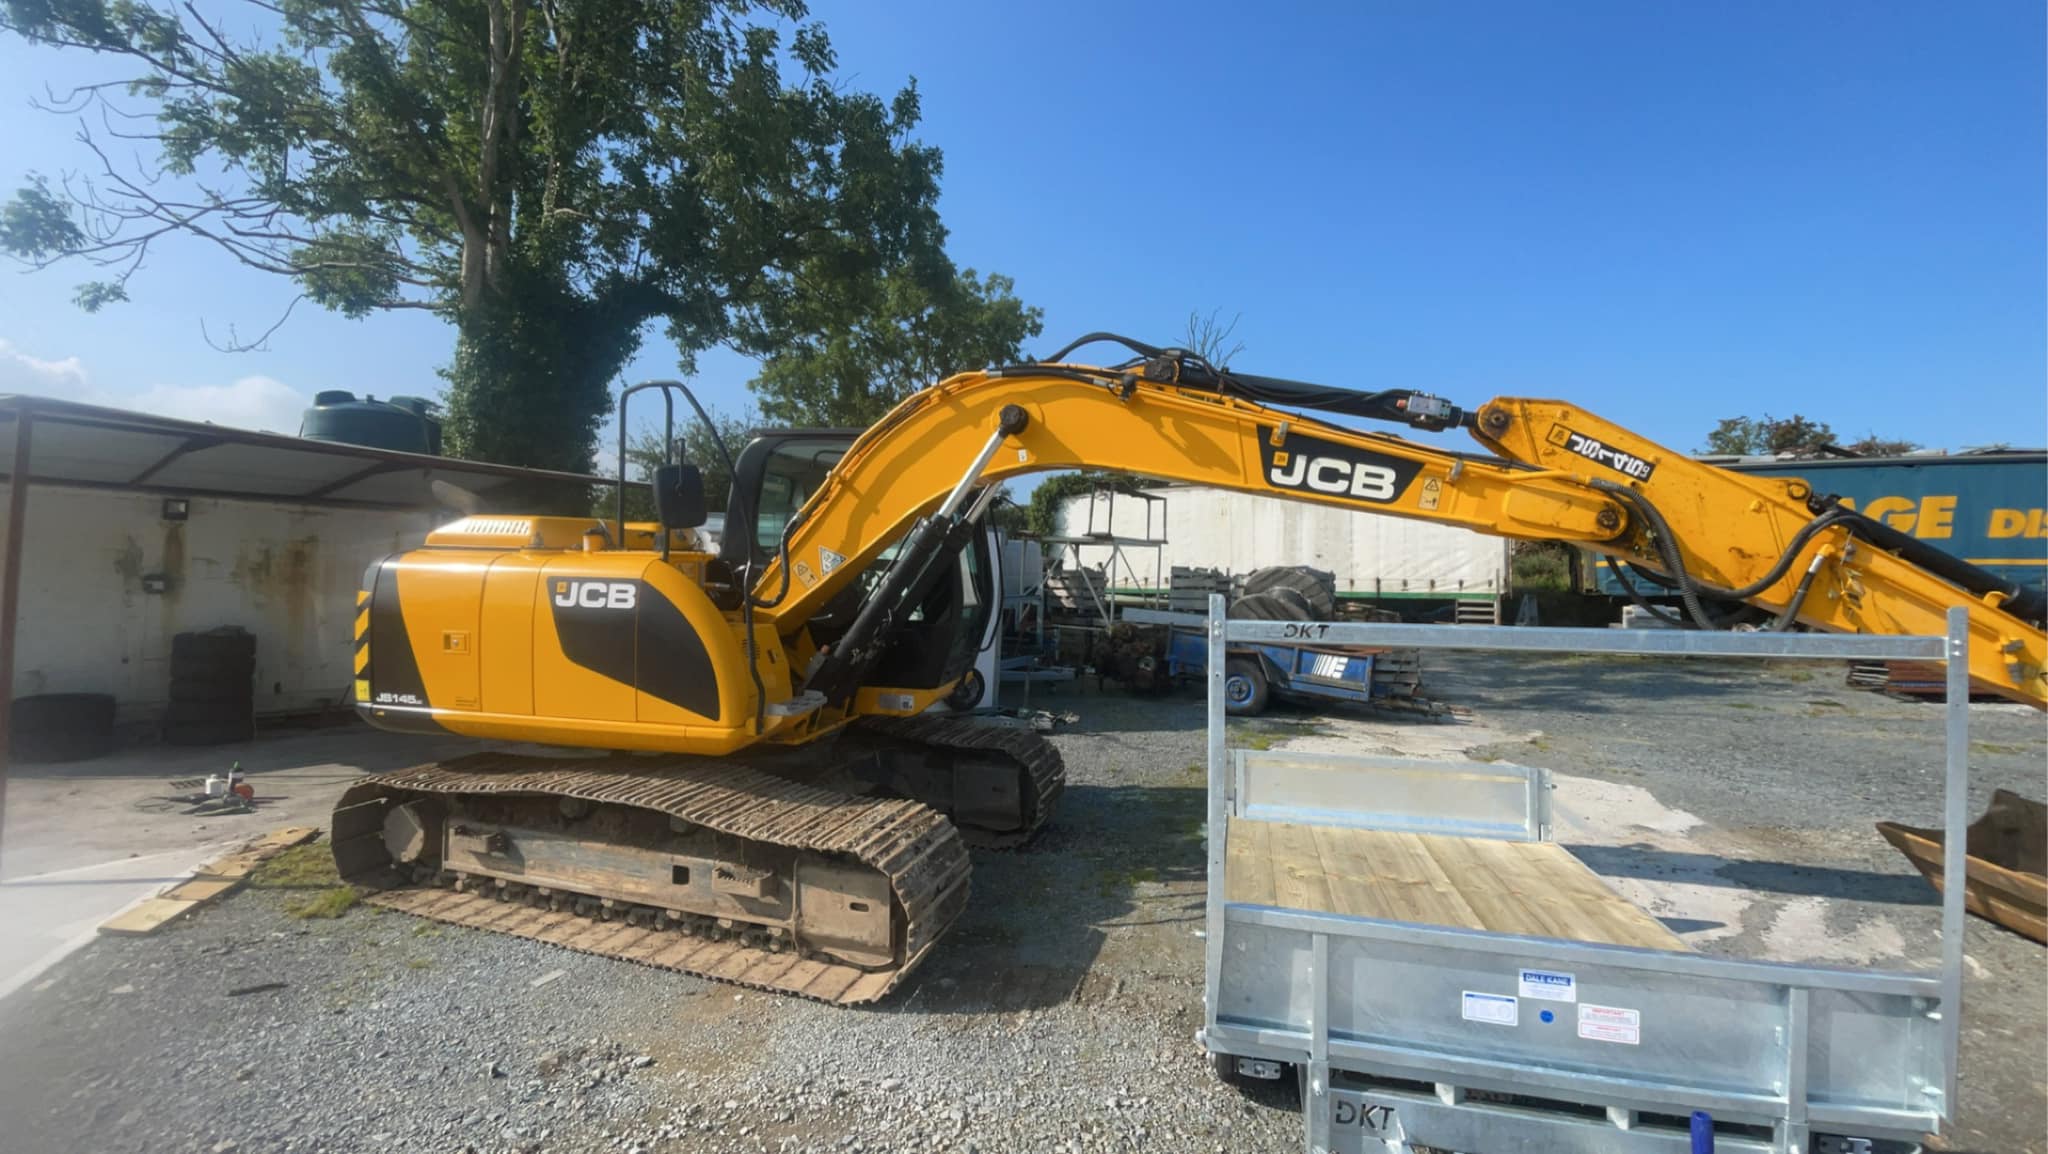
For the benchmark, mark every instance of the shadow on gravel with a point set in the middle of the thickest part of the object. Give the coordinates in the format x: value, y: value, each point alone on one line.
x: 1649, y: 863
x: 1598, y: 684
x: 1031, y: 933
x: 1186, y: 709
x: 1113, y: 709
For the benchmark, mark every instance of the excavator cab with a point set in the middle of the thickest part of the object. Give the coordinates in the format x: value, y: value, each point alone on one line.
x: 935, y: 643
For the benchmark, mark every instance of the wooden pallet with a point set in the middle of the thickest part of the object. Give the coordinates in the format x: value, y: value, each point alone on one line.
x: 209, y: 883
x: 1510, y: 887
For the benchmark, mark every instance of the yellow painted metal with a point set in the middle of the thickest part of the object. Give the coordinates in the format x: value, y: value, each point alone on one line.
x: 476, y: 609
x: 1731, y: 527
x: 904, y: 466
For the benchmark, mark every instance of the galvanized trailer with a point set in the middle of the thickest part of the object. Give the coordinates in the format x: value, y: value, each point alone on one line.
x: 1402, y: 937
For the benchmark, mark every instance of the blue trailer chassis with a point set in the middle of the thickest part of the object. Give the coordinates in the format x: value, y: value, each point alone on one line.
x: 1333, y: 673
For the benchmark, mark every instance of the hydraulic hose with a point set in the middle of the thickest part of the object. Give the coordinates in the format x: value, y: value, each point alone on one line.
x: 1667, y: 548
x: 1622, y: 573
x: 1681, y: 580
x: 2021, y: 601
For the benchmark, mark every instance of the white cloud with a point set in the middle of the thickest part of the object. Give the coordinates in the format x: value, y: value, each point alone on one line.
x: 22, y: 373
x: 253, y: 402
x: 249, y: 403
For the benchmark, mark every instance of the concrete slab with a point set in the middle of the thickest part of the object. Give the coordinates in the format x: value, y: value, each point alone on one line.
x: 49, y: 915
x: 85, y: 841
x: 76, y: 814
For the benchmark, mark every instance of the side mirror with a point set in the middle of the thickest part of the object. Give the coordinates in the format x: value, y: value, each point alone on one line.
x: 679, y: 496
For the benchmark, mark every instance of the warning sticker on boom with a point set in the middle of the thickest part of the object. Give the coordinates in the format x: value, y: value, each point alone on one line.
x: 828, y: 560
x: 1591, y: 448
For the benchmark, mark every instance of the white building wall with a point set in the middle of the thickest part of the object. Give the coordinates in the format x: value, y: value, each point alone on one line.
x: 1240, y: 532
x: 287, y: 573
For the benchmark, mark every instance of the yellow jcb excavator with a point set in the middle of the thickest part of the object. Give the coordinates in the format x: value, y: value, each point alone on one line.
x: 767, y: 801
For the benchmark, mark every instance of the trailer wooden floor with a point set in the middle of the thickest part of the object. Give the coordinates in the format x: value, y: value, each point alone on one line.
x: 1534, y: 888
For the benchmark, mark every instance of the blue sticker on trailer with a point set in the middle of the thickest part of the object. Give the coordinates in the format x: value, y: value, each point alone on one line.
x: 1991, y: 509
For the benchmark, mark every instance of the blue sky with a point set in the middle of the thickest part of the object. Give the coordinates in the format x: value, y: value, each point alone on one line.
x: 1669, y: 213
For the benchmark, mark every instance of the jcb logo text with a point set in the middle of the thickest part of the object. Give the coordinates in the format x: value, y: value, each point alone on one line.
x: 1333, y: 475
x: 1305, y: 463
x: 596, y: 594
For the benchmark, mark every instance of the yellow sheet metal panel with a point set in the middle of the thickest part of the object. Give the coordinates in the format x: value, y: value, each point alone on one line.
x: 505, y: 628
x: 439, y: 601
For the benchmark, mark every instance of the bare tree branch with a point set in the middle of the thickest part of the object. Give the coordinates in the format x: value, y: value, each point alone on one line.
x: 262, y: 341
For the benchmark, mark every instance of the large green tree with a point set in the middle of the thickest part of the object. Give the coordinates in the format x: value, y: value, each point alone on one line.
x: 555, y: 177
x: 860, y: 345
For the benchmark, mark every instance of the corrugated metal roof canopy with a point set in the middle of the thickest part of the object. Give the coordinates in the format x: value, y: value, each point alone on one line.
x: 74, y: 444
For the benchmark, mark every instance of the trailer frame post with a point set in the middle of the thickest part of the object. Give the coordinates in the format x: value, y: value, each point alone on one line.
x: 1955, y: 844
x: 1220, y: 803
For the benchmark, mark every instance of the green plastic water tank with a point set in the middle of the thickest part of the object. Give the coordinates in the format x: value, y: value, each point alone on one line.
x: 404, y: 424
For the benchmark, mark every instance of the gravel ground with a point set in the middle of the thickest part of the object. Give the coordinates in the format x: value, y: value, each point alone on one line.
x: 1058, y: 1016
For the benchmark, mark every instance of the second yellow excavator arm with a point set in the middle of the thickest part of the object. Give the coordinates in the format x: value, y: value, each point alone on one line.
x: 1558, y: 473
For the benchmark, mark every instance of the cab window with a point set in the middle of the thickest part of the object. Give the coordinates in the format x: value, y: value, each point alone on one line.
x: 796, y: 470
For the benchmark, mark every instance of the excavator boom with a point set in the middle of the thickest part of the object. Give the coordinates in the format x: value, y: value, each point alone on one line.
x: 1556, y: 472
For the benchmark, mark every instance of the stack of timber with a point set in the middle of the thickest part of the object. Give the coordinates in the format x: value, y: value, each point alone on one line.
x: 1188, y: 589
x: 1076, y: 592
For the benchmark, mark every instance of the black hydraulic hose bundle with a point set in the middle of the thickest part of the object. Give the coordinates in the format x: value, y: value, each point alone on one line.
x: 1681, y: 580
x: 2018, y: 600
x: 1667, y: 551
x: 1195, y: 372
x: 2023, y: 602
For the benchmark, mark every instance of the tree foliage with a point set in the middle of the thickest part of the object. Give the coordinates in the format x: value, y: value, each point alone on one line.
x: 1793, y: 436
x: 1542, y: 565
x: 1872, y: 445
x: 554, y: 176
x: 865, y: 345
x: 1043, y: 515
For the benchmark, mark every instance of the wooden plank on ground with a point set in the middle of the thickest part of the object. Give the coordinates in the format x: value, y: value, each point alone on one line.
x: 148, y: 917
x: 209, y: 883
x: 203, y: 889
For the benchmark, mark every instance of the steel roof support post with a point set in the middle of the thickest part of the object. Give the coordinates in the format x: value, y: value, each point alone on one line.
x: 10, y: 592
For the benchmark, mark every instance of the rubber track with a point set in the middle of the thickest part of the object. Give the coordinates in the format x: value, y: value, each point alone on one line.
x: 913, y: 845
x: 1045, y: 770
